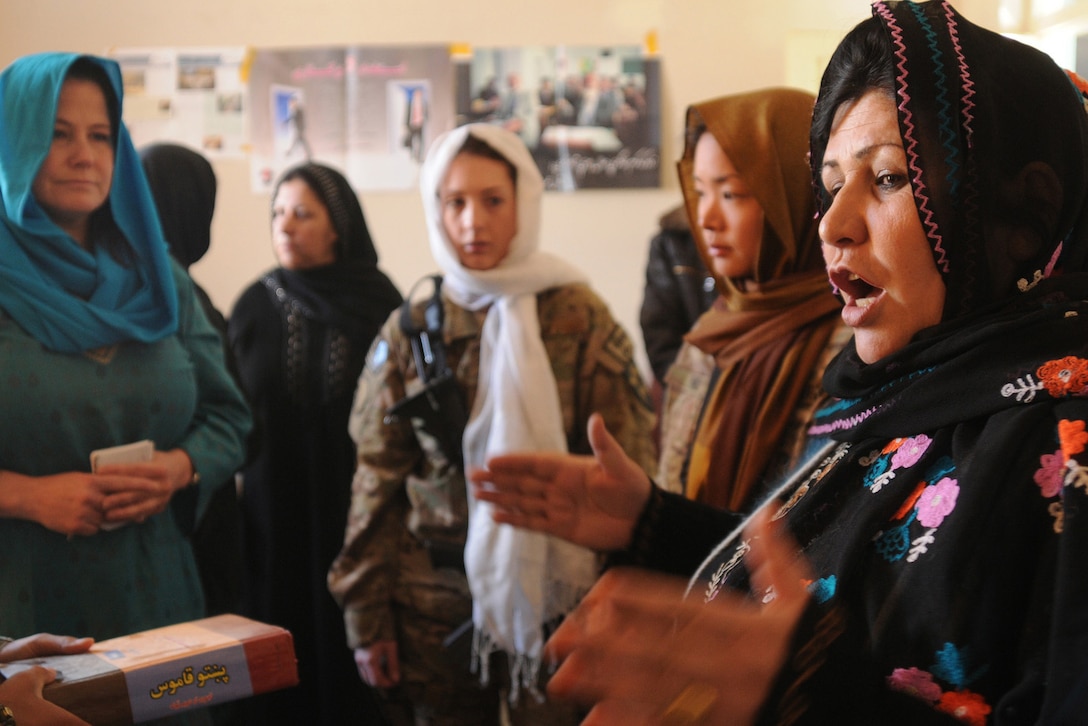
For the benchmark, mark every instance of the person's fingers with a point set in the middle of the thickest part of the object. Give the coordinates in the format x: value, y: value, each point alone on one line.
x: 522, y: 468
x: 32, y: 680
x: 148, y: 470
x: 118, y: 485
x: 369, y: 669
x: 69, y: 644
x: 615, y: 637
x: 513, y: 501
x: 611, y: 666
x: 378, y: 664
x: 577, y: 624
x: 606, y: 449
x: 778, y: 570
x: 620, y: 711
x: 516, y: 483
x: 23, y: 692
x: 478, y: 476
x: 42, y: 644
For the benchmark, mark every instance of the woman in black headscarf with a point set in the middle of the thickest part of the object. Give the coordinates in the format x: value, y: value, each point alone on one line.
x: 183, y: 184
x: 300, y: 335
x: 943, y: 535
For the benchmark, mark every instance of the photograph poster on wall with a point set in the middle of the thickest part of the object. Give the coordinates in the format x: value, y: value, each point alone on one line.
x: 371, y: 111
x: 590, y: 115
x: 191, y: 96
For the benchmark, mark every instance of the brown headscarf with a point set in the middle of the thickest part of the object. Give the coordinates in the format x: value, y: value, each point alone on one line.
x: 766, y: 341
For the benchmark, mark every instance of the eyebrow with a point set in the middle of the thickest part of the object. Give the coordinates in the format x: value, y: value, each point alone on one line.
x: 861, y: 153
x: 95, y: 125
x: 722, y: 178
x: 497, y: 188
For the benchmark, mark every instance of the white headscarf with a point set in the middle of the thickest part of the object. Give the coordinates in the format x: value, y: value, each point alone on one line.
x: 519, y: 580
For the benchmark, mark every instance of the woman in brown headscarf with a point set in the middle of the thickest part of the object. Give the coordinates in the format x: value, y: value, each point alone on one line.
x: 748, y: 375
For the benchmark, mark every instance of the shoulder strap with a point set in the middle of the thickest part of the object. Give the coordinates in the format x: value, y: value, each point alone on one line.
x: 428, y: 347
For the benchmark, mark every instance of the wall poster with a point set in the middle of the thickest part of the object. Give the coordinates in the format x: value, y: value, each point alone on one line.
x: 196, y: 97
x: 369, y: 111
x: 590, y: 115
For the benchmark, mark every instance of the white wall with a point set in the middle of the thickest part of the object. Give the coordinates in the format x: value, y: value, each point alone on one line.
x: 707, y: 47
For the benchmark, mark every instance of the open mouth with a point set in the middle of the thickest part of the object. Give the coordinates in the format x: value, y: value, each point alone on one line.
x: 854, y: 289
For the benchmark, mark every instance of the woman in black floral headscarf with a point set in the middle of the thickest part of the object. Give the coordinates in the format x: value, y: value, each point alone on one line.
x: 942, y: 529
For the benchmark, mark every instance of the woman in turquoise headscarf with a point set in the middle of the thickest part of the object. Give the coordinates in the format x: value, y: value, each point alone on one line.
x: 102, y: 343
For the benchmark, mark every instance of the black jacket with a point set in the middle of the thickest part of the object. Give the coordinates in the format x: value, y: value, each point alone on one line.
x: 678, y: 290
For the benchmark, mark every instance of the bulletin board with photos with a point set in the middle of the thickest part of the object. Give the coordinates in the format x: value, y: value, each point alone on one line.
x: 589, y: 115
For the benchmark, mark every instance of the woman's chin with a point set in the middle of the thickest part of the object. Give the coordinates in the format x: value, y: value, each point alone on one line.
x: 872, y: 346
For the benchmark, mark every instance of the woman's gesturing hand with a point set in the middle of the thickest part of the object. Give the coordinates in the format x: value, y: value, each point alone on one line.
x: 637, y: 652
x: 593, y: 501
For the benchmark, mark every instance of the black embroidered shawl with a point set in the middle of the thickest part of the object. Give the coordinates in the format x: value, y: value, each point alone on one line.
x: 947, y: 526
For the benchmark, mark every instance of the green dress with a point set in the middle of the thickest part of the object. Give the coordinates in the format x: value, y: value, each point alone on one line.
x: 57, y: 408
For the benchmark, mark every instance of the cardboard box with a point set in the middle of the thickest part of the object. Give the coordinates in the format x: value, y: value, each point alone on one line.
x: 170, y: 670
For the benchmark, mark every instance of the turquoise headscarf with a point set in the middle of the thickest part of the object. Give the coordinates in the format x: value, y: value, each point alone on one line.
x: 68, y: 298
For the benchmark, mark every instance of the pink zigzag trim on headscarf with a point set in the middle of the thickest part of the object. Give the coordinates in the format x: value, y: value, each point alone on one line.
x: 911, y: 142
x: 965, y: 77
x: 1049, y: 269
x: 967, y: 104
x: 842, y: 424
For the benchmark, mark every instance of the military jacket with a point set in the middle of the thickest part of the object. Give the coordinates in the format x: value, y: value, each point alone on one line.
x: 408, y: 517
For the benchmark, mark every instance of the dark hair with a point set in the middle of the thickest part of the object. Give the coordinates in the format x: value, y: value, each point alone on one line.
x: 86, y: 69
x: 694, y: 132
x: 102, y: 229
x: 862, y: 62
x: 479, y: 147
x: 336, y: 194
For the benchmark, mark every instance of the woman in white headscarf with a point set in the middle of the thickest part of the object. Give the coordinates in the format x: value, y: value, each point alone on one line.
x: 532, y: 352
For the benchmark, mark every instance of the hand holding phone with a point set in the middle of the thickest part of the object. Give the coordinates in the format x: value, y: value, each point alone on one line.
x: 134, y: 453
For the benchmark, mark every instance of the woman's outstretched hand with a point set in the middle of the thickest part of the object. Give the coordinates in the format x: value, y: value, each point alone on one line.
x: 593, y: 501
x: 637, y: 652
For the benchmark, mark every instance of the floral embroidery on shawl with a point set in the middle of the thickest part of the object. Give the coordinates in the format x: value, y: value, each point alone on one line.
x: 1065, y: 377
x: 823, y: 589
x: 1060, y: 378
x: 928, y: 504
x: 1051, y: 474
x: 1050, y: 477
x: 937, y: 502
x: 951, y: 667
x: 1062, y: 469
x: 967, y: 706
x: 898, y: 454
x: 1073, y: 437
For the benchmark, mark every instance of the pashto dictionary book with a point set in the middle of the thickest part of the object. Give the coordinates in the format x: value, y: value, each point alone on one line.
x: 169, y: 670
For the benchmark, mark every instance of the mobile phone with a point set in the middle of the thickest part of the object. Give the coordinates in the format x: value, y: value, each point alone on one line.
x: 134, y: 453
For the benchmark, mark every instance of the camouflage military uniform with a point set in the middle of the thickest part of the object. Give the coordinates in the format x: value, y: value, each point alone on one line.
x: 399, y: 574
